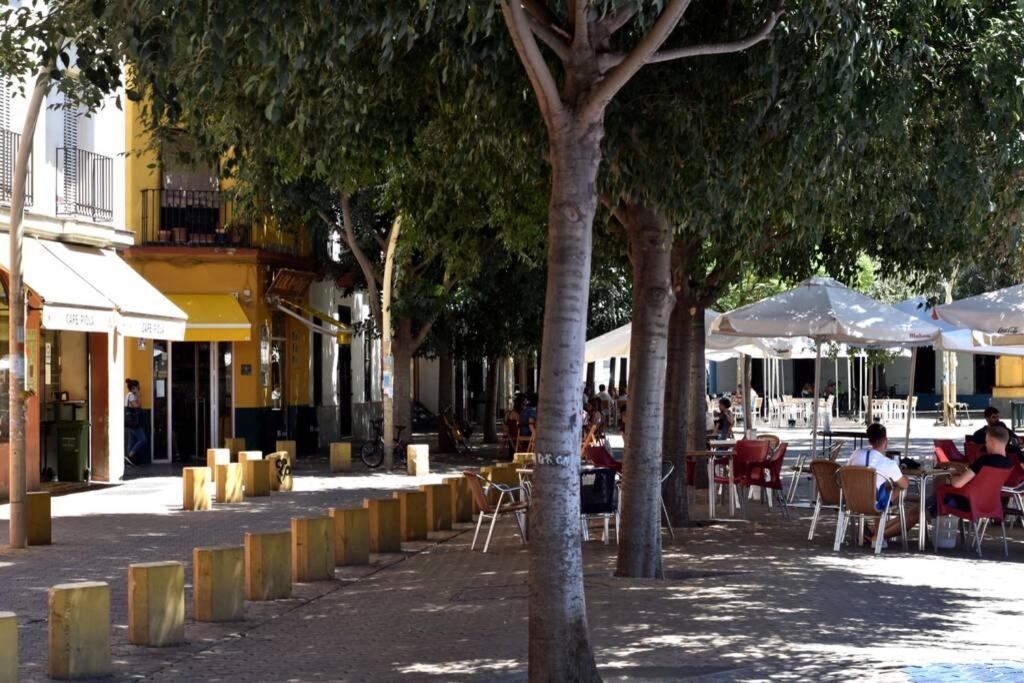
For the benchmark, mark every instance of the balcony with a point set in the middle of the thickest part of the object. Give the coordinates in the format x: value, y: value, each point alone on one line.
x: 190, y: 218
x: 85, y: 184
x: 9, y: 141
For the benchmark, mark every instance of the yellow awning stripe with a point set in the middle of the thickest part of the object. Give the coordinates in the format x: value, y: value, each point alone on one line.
x: 213, y: 317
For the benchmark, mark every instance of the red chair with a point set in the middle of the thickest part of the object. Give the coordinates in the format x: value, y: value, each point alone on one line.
x: 983, y: 498
x: 946, y: 451
x: 748, y: 454
x: 973, y: 450
x: 600, y: 457
x: 768, y: 475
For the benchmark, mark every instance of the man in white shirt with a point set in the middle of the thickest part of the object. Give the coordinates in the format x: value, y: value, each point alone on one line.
x: 885, y: 467
x: 604, y: 402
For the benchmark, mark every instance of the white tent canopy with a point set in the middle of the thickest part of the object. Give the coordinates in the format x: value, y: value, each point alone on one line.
x: 954, y: 338
x: 998, y: 312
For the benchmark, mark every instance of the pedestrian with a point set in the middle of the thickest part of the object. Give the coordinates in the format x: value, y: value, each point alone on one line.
x: 136, y: 440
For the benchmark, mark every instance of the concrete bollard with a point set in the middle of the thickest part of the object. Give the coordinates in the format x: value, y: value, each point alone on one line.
x: 8, y: 647
x: 312, y: 549
x: 417, y: 459
x: 280, y: 472
x: 351, y: 536
x: 462, y: 501
x: 234, y: 447
x: 79, y: 643
x: 268, y: 566
x: 439, y: 507
x: 38, y: 518
x: 257, y: 477
x: 289, y: 448
x: 217, y: 456
x: 156, y: 604
x: 385, y: 517
x: 195, y: 494
x: 229, y: 482
x: 244, y: 456
x: 413, y: 506
x: 218, y: 583
x: 341, y: 457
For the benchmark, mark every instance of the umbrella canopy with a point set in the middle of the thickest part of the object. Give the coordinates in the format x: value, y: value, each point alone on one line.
x: 999, y: 313
x: 826, y: 310
x: 615, y: 344
x: 955, y: 338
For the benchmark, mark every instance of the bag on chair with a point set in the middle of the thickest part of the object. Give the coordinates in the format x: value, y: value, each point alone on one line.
x: 945, y: 531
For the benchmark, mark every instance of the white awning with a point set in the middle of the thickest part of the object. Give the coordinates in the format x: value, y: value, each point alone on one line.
x: 143, y: 311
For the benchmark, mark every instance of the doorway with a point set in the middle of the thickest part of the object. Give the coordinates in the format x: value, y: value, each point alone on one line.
x: 191, y: 429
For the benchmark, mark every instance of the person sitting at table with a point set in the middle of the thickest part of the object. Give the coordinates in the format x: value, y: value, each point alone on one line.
x: 997, y: 437
x: 992, y: 419
x: 726, y: 419
x: 807, y: 391
x: 885, y: 467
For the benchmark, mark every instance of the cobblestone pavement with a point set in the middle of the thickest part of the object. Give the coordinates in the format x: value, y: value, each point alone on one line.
x: 744, y: 600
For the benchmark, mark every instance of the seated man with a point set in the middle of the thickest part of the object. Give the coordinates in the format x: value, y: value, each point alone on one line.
x: 997, y: 438
x: 884, y: 466
x: 992, y: 418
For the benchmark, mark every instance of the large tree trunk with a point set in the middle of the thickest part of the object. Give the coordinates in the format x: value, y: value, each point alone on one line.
x: 402, y: 349
x: 559, y: 642
x: 685, y: 407
x: 444, y: 394
x: 491, y: 402
x: 591, y: 372
x: 460, y: 390
x: 650, y: 246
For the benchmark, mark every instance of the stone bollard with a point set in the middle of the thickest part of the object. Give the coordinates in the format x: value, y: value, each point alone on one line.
x: 385, y: 517
x: 417, y: 458
x: 156, y: 604
x: 195, y: 494
x: 257, y: 477
x: 234, y: 447
x: 312, y: 549
x: 351, y: 536
x: 218, y: 584
x: 229, y: 482
x: 38, y: 522
x: 413, y: 506
x: 280, y: 472
x: 80, y: 630
x: 8, y: 647
x: 289, y: 448
x: 217, y: 456
x: 268, y: 566
x: 244, y: 456
x: 462, y: 501
x: 341, y: 457
x: 439, y: 507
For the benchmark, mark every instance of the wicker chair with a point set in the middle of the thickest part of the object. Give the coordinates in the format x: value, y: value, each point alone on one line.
x: 857, y: 499
x: 824, y: 473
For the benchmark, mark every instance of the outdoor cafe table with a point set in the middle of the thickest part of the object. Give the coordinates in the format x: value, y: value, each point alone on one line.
x: 858, y: 435
x: 921, y: 478
x: 711, y: 456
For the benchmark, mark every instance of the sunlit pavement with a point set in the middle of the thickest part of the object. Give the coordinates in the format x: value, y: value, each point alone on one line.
x: 744, y: 600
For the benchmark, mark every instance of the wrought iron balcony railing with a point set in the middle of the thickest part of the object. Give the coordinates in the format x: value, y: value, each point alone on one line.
x: 197, y: 218
x: 85, y: 184
x: 9, y: 141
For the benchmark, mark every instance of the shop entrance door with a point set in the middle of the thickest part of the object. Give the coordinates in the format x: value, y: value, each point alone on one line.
x: 192, y: 431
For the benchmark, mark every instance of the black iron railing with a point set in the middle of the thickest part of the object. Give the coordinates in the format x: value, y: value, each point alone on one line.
x: 85, y: 184
x: 9, y: 141
x: 198, y: 218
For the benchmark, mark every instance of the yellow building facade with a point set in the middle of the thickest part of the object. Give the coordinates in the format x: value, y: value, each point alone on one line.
x: 243, y: 370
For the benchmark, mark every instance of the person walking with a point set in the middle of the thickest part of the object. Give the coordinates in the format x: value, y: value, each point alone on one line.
x: 136, y: 440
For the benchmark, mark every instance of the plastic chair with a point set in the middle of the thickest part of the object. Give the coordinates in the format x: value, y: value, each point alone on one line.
x: 598, y: 498
x: 801, y: 467
x: 946, y: 451
x: 973, y: 451
x: 857, y: 499
x: 749, y: 453
x: 667, y: 468
x: 600, y: 457
x: 768, y: 476
x: 983, y: 496
x: 824, y: 473
x: 772, y: 439
x: 479, y: 487
x: 1013, y: 489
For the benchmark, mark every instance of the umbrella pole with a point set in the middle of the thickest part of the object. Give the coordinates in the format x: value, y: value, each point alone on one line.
x: 849, y: 387
x: 817, y: 380
x: 910, y: 400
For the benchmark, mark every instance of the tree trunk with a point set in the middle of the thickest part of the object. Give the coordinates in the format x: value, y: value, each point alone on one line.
x: 388, y: 380
x: 611, y: 373
x: 520, y: 372
x: 559, y: 647
x: 650, y: 246
x: 18, y: 520
x: 591, y: 372
x: 491, y: 401
x: 460, y: 390
x: 402, y: 349
x: 444, y: 394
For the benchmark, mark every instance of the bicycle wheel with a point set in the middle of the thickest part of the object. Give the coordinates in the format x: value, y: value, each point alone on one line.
x: 400, y: 458
x: 372, y: 454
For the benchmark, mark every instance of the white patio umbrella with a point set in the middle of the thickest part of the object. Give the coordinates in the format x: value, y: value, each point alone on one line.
x: 999, y: 313
x: 826, y: 310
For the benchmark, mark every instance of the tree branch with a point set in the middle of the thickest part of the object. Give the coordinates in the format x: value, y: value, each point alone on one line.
x: 721, y: 48
x: 540, y: 11
x: 580, y: 25
x: 370, y: 273
x: 537, y: 70
x: 551, y: 38
x: 614, y: 22
x: 638, y: 56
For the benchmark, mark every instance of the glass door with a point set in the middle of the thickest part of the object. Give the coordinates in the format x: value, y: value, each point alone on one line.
x: 161, y: 441
x: 190, y: 399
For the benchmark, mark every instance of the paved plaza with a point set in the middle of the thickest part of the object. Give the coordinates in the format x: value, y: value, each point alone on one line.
x: 745, y: 599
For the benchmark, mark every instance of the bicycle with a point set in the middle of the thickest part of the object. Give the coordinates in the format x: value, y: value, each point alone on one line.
x: 454, y: 432
x: 372, y: 452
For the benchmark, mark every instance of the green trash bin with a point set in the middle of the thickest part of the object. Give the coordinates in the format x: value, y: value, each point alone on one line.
x: 72, y: 450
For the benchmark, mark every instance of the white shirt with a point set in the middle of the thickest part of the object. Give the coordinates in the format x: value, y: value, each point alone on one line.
x: 884, y: 465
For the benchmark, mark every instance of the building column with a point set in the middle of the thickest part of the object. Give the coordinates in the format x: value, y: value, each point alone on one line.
x: 115, y: 405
